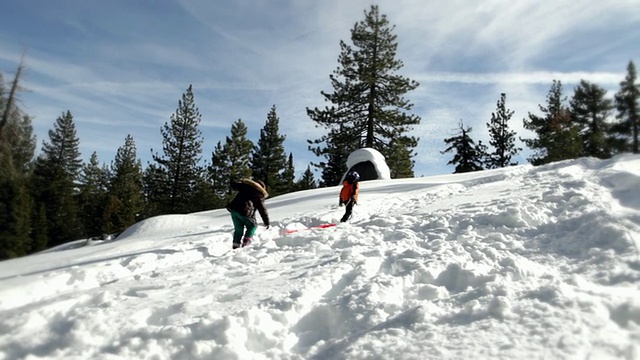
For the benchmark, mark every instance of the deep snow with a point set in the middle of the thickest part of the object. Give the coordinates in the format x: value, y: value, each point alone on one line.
x: 517, y: 263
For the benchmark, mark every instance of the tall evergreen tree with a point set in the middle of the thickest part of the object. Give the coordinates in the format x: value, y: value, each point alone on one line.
x: 21, y: 142
x: 268, y: 159
x: 368, y: 105
x: 92, y: 197
x: 17, y: 142
x: 468, y: 156
x: 182, y: 146
x: 230, y: 161
x: 627, y: 102
x: 55, y: 173
x: 307, y: 181
x: 17, y: 145
x: 126, y: 201
x: 219, y: 174
x: 400, y: 160
x: 335, y: 164
x: 564, y: 141
x: 502, y: 139
x: 288, y: 177
x: 40, y: 233
x: 14, y: 219
x: 204, y: 197
x: 11, y: 98
x: 155, y: 190
x: 238, y: 149
x: 556, y: 138
x: 590, y: 110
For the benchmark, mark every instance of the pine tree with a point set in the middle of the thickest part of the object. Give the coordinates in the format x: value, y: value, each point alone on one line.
x: 307, y: 181
x: 204, y: 197
x: 627, y: 102
x: 92, y: 197
x: 288, y: 177
x: 368, y: 108
x: 564, y: 141
x: 55, y: 172
x: 399, y: 159
x: 468, y: 156
x: 238, y: 150
x: 182, y: 146
x: 17, y: 145
x: 155, y: 189
x: 14, y: 219
x: 15, y: 200
x: 590, y: 110
x: 336, y: 157
x: 501, y: 138
x: 220, y: 175
x: 268, y: 159
x: 556, y: 137
x: 8, y: 103
x: 230, y: 162
x: 63, y: 150
x: 40, y: 234
x: 126, y: 204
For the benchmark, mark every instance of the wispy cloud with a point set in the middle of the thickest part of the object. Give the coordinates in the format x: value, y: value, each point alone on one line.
x: 535, y: 77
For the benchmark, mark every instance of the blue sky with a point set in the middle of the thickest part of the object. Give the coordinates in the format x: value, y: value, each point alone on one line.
x: 121, y: 66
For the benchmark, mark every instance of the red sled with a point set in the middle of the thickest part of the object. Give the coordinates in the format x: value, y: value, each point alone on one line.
x: 323, y: 226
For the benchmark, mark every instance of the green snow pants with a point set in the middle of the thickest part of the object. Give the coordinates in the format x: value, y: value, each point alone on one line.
x: 240, y: 222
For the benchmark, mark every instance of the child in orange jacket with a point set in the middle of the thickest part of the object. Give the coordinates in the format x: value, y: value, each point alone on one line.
x: 349, y: 193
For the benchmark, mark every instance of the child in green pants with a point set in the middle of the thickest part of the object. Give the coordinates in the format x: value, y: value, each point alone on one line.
x: 250, y: 197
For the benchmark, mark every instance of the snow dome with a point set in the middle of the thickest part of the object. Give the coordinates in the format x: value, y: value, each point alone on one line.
x: 369, y: 163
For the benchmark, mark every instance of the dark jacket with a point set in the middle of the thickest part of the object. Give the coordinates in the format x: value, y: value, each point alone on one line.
x: 250, y: 197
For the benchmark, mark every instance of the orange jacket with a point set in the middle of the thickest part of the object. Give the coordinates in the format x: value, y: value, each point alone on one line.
x: 348, y: 191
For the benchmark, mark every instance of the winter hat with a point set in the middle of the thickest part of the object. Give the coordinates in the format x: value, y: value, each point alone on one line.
x: 262, y: 184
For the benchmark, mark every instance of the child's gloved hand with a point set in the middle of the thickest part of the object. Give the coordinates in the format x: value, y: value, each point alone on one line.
x: 340, y: 203
x: 354, y: 200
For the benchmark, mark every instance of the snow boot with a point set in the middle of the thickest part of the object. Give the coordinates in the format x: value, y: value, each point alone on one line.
x: 246, y: 241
